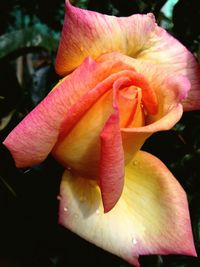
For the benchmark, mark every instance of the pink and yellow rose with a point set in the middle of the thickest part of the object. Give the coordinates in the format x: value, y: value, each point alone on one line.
x: 125, y: 78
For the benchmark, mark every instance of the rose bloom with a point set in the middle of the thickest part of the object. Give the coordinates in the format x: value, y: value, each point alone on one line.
x: 125, y: 78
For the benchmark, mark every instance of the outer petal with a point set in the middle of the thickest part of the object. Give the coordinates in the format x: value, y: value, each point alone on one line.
x: 97, y: 34
x: 151, y: 216
x: 33, y: 139
x: 165, y: 50
x: 137, y: 36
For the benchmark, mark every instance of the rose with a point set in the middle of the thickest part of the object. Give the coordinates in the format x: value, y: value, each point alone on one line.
x: 95, y: 121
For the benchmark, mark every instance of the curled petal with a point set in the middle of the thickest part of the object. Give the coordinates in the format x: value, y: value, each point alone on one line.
x: 134, y: 138
x: 111, y: 176
x: 170, y: 54
x: 137, y: 36
x: 97, y: 34
x: 151, y: 216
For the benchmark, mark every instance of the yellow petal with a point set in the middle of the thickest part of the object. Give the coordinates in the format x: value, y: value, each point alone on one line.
x: 151, y: 216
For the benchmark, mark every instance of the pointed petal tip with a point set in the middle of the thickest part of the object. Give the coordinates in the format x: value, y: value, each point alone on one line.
x: 151, y: 15
x: 67, y: 3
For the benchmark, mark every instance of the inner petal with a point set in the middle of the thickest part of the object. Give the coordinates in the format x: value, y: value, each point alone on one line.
x: 136, y: 100
x: 138, y: 117
x: 127, y: 102
x: 132, y: 113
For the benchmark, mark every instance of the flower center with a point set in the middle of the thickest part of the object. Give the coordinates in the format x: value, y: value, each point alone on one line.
x: 136, y: 100
x: 131, y: 109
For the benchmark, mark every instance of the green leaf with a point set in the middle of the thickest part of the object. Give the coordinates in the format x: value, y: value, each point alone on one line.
x: 36, y: 36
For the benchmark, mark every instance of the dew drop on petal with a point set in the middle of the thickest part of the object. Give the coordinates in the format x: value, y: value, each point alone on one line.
x: 134, y: 241
x: 26, y: 171
x: 65, y: 209
x: 97, y: 211
x: 135, y: 163
x: 58, y: 197
x: 81, y: 48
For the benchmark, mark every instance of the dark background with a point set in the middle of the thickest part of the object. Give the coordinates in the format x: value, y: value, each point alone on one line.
x: 29, y: 233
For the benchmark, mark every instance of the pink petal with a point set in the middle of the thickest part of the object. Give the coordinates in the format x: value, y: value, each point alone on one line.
x: 97, y: 34
x: 151, y: 217
x: 33, y: 139
x: 170, y: 54
x: 111, y: 163
x: 137, y: 36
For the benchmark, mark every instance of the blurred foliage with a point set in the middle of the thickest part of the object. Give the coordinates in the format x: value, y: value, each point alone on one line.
x: 29, y: 35
x: 25, y: 39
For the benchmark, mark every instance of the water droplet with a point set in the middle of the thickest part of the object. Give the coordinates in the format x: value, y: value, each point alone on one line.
x: 65, y: 209
x: 26, y: 171
x: 135, y: 162
x: 97, y: 211
x: 82, y: 48
x: 134, y: 241
x: 58, y: 197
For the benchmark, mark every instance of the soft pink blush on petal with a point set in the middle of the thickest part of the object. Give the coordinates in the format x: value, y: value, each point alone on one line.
x: 151, y: 217
x: 97, y: 34
x: 87, y: 100
x: 111, y: 163
x: 170, y: 54
x: 137, y: 36
x: 33, y: 139
x: 111, y: 174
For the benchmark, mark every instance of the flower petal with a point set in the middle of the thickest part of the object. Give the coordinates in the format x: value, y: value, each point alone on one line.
x: 137, y: 36
x: 111, y: 176
x: 169, y: 88
x: 97, y: 34
x: 134, y: 138
x: 82, y: 212
x: 33, y: 139
x: 163, y: 49
x: 151, y: 216
x: 80, y: 147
